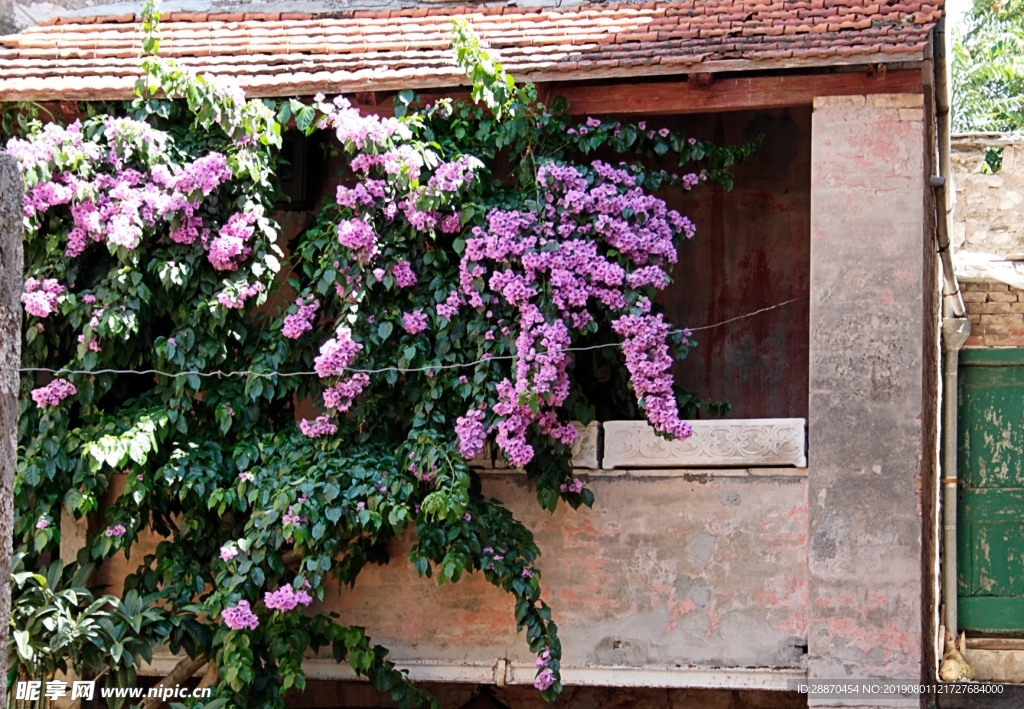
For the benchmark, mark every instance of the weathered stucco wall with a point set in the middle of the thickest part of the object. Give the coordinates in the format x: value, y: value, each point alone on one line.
x: 662, y: 572
x: 865, y: 421
x: 669, y: 572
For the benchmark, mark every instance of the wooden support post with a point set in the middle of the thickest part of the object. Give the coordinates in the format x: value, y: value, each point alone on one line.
x: 11, y: 264
x: 74, y: 535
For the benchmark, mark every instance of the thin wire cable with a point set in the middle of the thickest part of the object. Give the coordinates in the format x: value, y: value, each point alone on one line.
x: 430, y: 368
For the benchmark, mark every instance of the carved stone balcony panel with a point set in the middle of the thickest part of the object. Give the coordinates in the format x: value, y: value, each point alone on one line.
x: 734, y: 443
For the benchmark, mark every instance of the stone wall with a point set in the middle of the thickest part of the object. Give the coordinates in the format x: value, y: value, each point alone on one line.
x: 989, y: 208
x: 989, y: 218
x: 17, y: 14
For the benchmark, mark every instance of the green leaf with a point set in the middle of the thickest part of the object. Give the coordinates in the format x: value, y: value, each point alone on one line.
x: 304, y: 118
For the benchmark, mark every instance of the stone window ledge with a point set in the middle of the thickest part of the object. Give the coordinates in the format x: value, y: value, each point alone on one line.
x: 615, y: 447
x: 502, y: 672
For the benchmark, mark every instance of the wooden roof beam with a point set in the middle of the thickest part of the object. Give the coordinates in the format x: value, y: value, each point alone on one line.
x: 733, y: 94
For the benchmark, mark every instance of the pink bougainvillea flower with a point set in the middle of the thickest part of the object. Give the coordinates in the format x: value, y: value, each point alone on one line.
x: 40, y: 296
x: 53, y: 393
x: 301, y: 321
x: 286, y: 598
x: 229, y: 551
x: 118, y: 530
x: 240, y: 617
x: 414, y: 322
x: 321, y: 426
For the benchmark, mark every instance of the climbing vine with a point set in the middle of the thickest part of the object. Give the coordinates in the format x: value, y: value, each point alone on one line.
x: 433, y: 306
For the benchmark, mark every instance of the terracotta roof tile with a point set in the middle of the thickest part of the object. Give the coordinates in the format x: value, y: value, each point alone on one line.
x: 288, y: 53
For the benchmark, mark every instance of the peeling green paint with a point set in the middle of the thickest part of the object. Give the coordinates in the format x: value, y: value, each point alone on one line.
x: 991, y: 495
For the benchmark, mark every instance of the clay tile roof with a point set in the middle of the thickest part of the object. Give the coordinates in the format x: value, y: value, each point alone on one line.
x: 278, y: 54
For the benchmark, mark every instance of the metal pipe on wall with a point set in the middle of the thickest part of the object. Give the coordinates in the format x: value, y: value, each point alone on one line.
x: 954, y: 333
x: 955, y: 330
x: 952, y: 300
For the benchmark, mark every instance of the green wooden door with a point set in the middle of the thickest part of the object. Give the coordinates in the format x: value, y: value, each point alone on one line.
x: 990, y: 525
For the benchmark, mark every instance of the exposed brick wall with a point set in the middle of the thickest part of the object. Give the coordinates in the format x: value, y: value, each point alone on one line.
x: 996, y: 311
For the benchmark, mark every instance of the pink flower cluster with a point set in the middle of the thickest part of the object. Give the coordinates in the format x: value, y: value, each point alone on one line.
x: 117, y: 530
x: 343, y: 394
x: 546, y: 677
x: 300, y: 321
x: 362, y: 195
x: 45, y: 195
x: 286, y: 598
x: 336, y: 354
x: 291, y: 518
x: 242, y: 292
x: 405, y: 277
x: 229, y: 551
x: 414, y: 322
x: 541, y: 386
x: 403, y: 160
x: 230, y: 246
x: 692, y: 179
x: 321, y: 426
x: 596, y: 238
x: 574, y: 485
x: 649, y: 363
x: 112, y: 202
x: 450, y: 307
x: 354, y: 129
x: 359, y: 236
x: 201, y: 177
x: 40, y: 296
x: 543, y: 658
x: 471, y: 432
x: 240, y: 617
x: 53, y: 393
x: 453, y: 176
x: 563, y: 251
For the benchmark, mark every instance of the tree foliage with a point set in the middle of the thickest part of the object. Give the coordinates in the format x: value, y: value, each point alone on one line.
x: 988, y: 68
